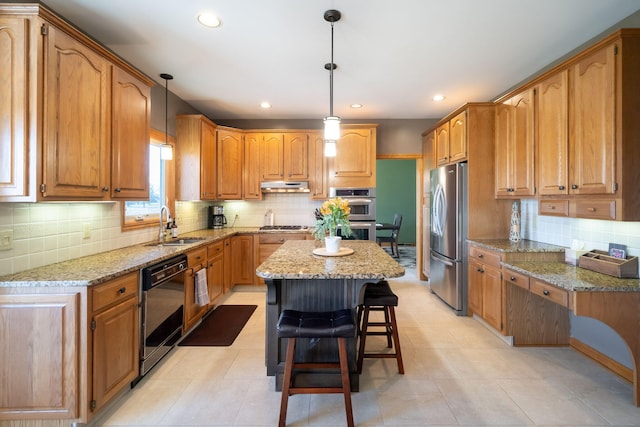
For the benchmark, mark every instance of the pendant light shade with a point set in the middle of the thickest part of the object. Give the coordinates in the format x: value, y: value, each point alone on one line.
x: 166, y: 150
x: 331, y: 123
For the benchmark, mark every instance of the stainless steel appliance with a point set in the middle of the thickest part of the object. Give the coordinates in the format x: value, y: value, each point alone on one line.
x: 216, y: 218
x: 362, y: 218
x: 161, y: 309
x: 284, y: 187
x: 284, y: 228
x: 448, y: 279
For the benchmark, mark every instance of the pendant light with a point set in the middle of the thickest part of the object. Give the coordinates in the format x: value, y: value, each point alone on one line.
x: 331, y: 123
x: 166, y: 150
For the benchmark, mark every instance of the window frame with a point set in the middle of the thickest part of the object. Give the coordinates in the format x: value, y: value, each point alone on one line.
x: 153, y: 220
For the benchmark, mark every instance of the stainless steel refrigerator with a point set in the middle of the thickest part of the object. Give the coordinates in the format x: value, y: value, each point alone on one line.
x: 448, y: 279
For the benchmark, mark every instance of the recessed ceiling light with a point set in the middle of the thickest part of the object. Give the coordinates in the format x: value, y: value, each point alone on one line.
x: 209, y: 20
x: 265, y: 105
x: 356, y: 105
x: 438, y: 98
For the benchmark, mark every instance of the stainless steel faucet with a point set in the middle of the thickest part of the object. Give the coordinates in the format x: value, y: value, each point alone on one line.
x: 161, y: 234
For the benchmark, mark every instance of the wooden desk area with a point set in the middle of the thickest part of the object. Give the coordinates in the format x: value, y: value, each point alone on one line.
x: 297, y: 279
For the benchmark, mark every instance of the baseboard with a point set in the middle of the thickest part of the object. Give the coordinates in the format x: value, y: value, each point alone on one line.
x: 604, y: 360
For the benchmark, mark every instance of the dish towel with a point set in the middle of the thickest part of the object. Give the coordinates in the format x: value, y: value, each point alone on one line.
x: 202, y: 294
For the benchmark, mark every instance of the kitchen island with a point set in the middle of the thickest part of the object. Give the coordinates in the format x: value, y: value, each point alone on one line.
x: 298, y: 279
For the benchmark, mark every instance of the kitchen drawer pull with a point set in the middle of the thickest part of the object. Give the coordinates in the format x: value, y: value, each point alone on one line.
x: 552, y: 207
x: 105, y: 189
x: 545, y: 292
x: 480, y: 256
x: 574, y: 187
x: 118, y: 190
x: 122, y: 290
x: 513, y: 279
x: 591, y: 209
x: 561, y: 187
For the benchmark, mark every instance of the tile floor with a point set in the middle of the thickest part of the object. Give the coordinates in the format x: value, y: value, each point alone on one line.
x: 457, y: 373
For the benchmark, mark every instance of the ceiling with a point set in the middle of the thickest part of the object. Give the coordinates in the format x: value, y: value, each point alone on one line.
x: 392, y: 56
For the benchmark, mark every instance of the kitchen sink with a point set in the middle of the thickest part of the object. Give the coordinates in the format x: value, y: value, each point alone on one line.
x: 179, y: 242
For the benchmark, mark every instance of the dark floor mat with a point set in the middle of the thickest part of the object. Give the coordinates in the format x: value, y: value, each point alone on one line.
x: 221, y: 327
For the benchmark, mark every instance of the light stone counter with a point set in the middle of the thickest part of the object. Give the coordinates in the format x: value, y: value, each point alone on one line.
x: 505, y: 245
x: 295, y: 260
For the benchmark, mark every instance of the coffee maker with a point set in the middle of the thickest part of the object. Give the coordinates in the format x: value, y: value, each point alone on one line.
x: 216, y: 217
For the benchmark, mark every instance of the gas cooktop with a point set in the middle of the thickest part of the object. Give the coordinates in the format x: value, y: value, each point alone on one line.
x: 284, y: 227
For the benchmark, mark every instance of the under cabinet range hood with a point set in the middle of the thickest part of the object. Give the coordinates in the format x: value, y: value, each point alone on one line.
x: 284, y: 187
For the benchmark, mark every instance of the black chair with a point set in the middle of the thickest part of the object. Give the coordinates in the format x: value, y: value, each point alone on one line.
x: 379, y: 297
x: 294, y: 324
x: 393, y: 238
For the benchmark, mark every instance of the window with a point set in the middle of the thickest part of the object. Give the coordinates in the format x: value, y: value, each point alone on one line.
x: 145, y: 213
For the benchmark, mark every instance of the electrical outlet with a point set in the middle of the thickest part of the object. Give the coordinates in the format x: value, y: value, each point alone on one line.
x: 6, y: 240
x: 86, y: 230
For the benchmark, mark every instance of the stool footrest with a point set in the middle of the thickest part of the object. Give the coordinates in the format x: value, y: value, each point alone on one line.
x: 319, y: 365
x: 315, y: 390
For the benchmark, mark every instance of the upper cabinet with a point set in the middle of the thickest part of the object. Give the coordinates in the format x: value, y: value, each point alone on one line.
x: 76, y: 123
x: 355, y: 162
x: 230, y: 163
x: 451, y: 140
x: 514, y: 147
x: 285, y: 156
x: 196, y: 155
x: 251, y: 171
x: 317, y: 167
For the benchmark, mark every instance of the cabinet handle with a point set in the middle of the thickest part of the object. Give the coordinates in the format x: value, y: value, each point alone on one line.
x: 479, y: 270
x: 281, y: 240
x: 552, y: 207
x: 122, y: 290
x: 105, y: 189
x: 545, y: 292
x: 118, y: 190
x: 591, y: 209
x: 561, y: 187
x: 480, y: 255
x: 574, y: 187
x: 512, y: 278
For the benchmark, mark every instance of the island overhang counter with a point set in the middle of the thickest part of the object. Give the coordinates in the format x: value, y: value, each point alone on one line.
x: 298, y: 279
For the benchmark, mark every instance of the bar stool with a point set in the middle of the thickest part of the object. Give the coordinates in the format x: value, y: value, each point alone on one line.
x: 379, y: 297
x: 294, y: 324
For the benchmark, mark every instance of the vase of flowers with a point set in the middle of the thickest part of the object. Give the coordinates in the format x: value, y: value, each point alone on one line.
x: 334, y: 213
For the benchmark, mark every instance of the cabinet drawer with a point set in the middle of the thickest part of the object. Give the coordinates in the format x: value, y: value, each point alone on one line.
x: 114, y: 291
x: 485, y: 256
x: 554, y: 207
x: 215, y: 249
x: 550, y: 292
x: 280, y: 238
x: 593, y: 209
x: 196, y: 257
x: 518, y: 279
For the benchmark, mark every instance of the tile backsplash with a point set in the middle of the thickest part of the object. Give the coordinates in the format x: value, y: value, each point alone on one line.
x: 47, y: 233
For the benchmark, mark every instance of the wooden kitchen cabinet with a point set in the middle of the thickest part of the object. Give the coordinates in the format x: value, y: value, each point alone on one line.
x: 267, y: 243
x: 442, y: 144
x: 355, y: 162
x: 196, y: 155
x: 227, y: 265
x: 251, y: 168
x: 285, y: 156
x: 451, y: 141
x: 131, y: 128
x: 428, y: 163
x: 318, y: 172
x: 215, y: 272
x: 115, y: 330
x: 196, y: 260
x: 242, y: 266
x: 230, y: 163
x: 485, y: 286
x: 66, y: 113
x: 514, y: 146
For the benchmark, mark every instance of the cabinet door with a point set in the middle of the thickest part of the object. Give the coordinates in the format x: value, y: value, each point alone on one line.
x: 76, y: 162
x: 296, y: 156
x: 475, y: 287
x: 227, y: 265
x: 492, y: 296
x: 131, y: 126
x: 317, y: 167
x: 115, y: 350
x: 230, y: 164
x: 14, y: 120
x: 552, y: 124
x: 192, y: 311
x: 208, y: 161
x: 215, y: 278
x: 242, y: 271
x: 458, y: 138
x: 354, y: 163
x: 522, y: 144
x: 442, y: 144
x: 272, y: 156
x: 428, y: 160
x: 503, y: 150
x: 41, y: 356
x: 251, y: 167
x: 592, y: 147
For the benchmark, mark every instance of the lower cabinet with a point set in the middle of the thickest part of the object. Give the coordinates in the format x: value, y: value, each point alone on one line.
x: 268, y: 243
x: 215, y: 272
x: 485, y: 286
x: 193, y: 312
x: 242, y: 271
x: 115, y: 341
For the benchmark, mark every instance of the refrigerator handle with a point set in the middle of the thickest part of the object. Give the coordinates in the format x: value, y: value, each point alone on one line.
x: 442, y: 260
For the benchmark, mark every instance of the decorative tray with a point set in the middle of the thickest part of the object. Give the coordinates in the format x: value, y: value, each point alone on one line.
x: 341, y: 252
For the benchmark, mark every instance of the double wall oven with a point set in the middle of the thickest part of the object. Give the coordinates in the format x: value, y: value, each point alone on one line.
x: 362, y: 202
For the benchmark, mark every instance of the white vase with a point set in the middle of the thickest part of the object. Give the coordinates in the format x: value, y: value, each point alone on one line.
x: 332, y: 244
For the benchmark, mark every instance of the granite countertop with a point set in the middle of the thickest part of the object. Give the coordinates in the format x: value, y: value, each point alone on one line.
x: 506, y: 245
x: 574, y: 278
x: 99, y: 268
x: 295, y: 260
